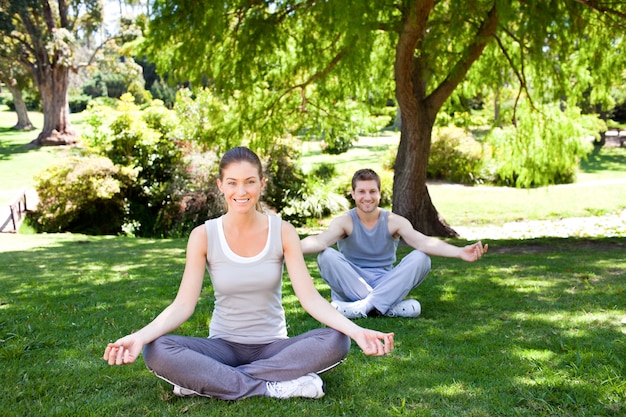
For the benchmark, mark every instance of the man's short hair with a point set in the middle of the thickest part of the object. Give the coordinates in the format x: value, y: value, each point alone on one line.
x: 365, y: 174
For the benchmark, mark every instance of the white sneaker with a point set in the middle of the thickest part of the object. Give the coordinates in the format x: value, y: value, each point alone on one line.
x: 351, y: 310
x: 308, y: 386
x: 183, y: 392
x: 405, y: 308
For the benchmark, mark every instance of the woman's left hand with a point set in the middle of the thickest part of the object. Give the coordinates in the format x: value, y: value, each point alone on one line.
x: 473, y: 252
x: 374, y: 343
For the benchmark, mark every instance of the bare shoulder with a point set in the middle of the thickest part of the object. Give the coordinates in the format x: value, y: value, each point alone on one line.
x: 398, y: 224
x: 198, y: 238
x: 396, y: 218
x: 198, y: 232
x: 287, y: 227
x: 343, y: 222
x: 288, y: 232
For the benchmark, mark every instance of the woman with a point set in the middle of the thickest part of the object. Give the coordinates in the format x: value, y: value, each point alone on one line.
x: 248, y: 351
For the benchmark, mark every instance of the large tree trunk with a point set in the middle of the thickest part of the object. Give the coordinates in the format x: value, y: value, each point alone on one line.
x: 53, y: 83
x: 23, y: 122
x: 410, y: 193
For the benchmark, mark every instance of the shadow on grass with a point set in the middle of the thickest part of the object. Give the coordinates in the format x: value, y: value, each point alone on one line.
x: 12, y: 142
x: 533, y: 327
x: 604, y: 159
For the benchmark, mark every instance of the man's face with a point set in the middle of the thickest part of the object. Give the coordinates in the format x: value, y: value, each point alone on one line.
x: 366, y: 195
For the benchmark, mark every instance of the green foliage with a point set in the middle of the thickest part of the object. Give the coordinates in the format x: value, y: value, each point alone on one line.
x: 192, y: 197
x: 455, y: 156
x: 285, y: 179
x: 322, y: 201
x: 335, y: 144
x: 166, y: 195
x: 78, y: 102
x: 161, y: 91
x: 97, y: 136
x: 145, y: 143
x: 545, y: 148
x: 205, y: 119
x: 386, y: 192
x: 306, y: 66
x: 95, y: 87
x: 123, y: 79
x: 271, y: 73
x: 82, y: 195
x: 324, y: 171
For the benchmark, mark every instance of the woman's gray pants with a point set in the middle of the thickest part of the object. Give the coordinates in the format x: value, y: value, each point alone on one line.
x: 231, y: 371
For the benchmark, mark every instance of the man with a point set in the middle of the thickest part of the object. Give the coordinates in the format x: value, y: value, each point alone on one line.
x: 361, y: 274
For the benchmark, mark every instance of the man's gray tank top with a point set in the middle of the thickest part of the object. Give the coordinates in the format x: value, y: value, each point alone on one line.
x: 374, y: 248
x: 248, y: 297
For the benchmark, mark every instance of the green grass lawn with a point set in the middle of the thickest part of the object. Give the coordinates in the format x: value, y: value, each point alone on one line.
x: 536, y: 328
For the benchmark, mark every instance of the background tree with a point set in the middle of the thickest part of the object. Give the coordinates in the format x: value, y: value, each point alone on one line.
x: 14, y: 78
x: 45, y: 34
x: 303, y: 66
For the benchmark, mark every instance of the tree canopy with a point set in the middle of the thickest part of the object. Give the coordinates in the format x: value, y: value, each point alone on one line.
x: 299, y: 65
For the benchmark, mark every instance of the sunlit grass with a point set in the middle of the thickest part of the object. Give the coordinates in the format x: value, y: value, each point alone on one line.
x: 534, y: 329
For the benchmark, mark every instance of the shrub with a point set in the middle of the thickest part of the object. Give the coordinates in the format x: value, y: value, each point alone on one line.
x: 285, y: 179
x: 337, y: 143
x: 78, y: 103
x: 324, y: 171
x: 193, y: 196
x: 386, y: 184
x: 545, y: 148
x: 161, y: 91
x: 96, y: 136
x: 82, y: 195
x: 319, y: 203
x: 31, y: 99
x: 160, y: 118
x: 136, y: 144
x: 455, y: 157
x: 4, y: 97
x: 95, y: 87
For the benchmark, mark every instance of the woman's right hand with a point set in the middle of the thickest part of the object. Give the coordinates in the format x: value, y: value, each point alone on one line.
x: 123, y: 351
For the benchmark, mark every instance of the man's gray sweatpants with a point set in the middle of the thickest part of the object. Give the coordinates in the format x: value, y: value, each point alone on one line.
x: 384, y: 286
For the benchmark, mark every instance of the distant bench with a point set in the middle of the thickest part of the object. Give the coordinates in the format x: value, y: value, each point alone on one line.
x: 17, y: 209
x: 617, y: 133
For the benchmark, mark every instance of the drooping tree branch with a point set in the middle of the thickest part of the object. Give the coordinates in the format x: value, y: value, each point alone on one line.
x: 520, y: 75
x: 320, y: 74
x: 472, y: 53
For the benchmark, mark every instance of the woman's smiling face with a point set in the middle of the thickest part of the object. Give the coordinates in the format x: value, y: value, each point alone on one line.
x: 241, y: 185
